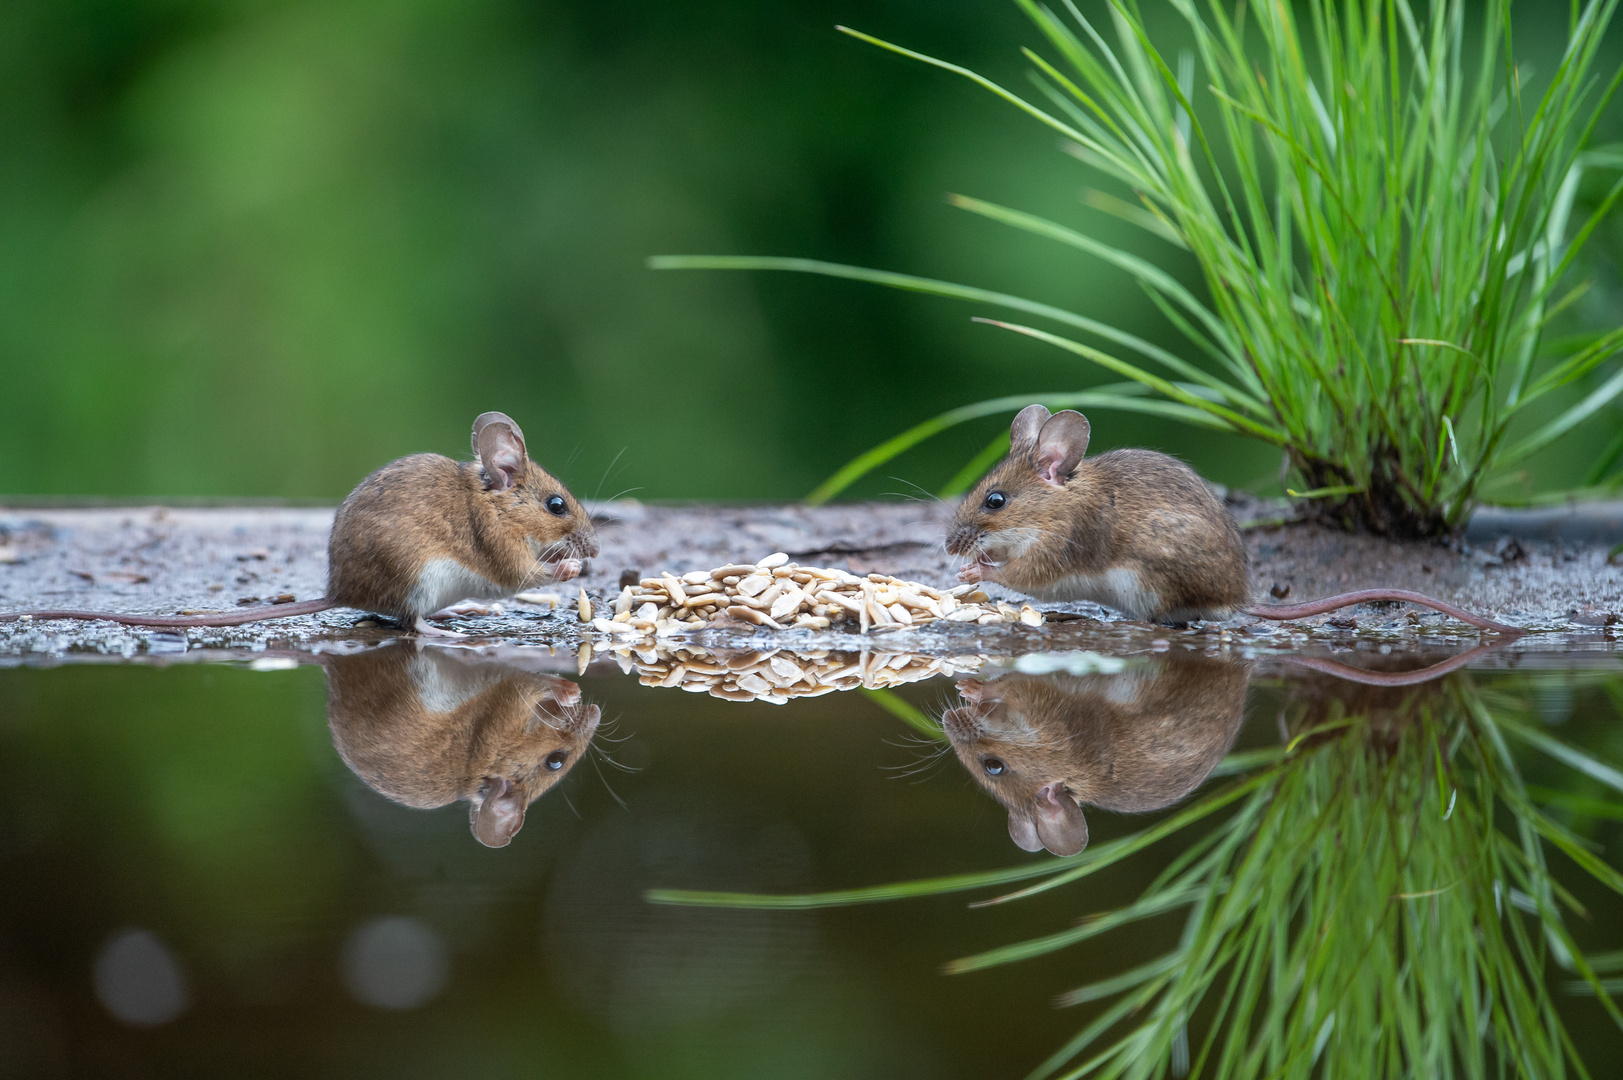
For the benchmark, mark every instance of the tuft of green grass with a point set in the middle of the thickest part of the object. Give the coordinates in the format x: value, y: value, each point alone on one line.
x: 1375, y: 900
x: 1381, y: 209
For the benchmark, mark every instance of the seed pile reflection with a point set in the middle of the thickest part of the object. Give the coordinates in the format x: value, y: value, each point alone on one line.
x: 776, y: 675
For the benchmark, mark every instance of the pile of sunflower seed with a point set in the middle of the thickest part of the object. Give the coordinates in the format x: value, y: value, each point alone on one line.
x: 777, y: 675
x: 782, y: 595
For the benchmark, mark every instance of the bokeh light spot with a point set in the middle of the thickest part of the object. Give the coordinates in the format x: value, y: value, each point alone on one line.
x: 138, y: 979
x: 394, y: 963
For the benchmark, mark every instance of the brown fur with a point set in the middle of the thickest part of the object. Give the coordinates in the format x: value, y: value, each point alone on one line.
x: 428, y: 727
x: 1135, y: 530
x: 487, y: 517
x: 1133, y: 510
x: 1130, y: 742
x: 427, y: 507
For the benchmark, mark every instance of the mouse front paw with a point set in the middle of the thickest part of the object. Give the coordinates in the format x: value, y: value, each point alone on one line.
x: 976, y: 572
x: 564, y: 692
x: 973, y: 690
x: 564, y: 569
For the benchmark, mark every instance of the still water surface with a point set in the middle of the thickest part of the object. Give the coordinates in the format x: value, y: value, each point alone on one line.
x: 408, y: 861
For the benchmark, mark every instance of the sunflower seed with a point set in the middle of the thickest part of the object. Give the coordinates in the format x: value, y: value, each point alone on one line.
x: 787, y: 603
x: 674, y: 588
x: 759, y: 618
x: 754, y: 585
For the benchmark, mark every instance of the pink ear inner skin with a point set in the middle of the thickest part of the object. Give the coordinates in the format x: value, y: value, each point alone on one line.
x: 501, y: 450
x: 1048, y: 461
x: 500, y: 815
x: 1060, y: 822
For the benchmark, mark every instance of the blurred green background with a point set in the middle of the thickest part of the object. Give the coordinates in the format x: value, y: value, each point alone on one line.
x: 258, y: 248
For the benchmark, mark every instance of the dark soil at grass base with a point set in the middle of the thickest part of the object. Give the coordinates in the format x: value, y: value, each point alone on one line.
x: 1544, y: 571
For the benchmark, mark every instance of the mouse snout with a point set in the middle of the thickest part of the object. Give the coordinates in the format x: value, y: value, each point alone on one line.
x: 582, y: 721
x: 960, y: 724
x: 583, y: 542
x: 968, y: 722
x: 963, y: 538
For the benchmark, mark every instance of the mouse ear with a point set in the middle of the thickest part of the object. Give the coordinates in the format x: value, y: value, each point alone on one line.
x: 498, y: 815
x: 1060, y: 824
x: 500, y: 446
x: 1060, y: 446
x: 1023, y: 432
x: 1023, y: 832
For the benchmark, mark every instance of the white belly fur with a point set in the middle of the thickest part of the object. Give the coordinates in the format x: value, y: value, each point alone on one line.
x: 443, y: 582
x: 1117, y: 588
x: 444, y: 686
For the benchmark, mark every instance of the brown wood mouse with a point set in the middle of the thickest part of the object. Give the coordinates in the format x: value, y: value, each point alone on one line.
x: 427, y: 727
x: 426, y: 531
x: 1139, y: 740
x: 1134, y: 530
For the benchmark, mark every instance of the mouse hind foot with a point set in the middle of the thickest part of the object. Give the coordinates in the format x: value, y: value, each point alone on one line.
x: 420, y: 626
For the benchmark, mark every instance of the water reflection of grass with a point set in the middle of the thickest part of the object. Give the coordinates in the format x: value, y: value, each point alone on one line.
x: 1377, y: 899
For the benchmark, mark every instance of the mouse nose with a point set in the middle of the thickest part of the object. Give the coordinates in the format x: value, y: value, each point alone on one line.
x: 585, y: 542
x: 961, y: 540
x: 957, y: 726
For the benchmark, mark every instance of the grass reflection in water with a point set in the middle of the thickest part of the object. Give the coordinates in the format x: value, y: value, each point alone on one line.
x: 1373, y: 896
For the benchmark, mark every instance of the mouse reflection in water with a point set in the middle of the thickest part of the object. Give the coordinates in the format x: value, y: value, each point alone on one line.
x: 1140, y: 740
x: 426, y: 727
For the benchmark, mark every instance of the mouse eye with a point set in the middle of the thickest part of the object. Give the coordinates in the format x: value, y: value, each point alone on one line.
x: 995, y: 500
x: 555, y: 504
x: 993, y: 766
x: 556, y: 759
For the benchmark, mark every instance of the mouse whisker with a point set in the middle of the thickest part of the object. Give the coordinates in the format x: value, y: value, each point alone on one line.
x: 607, y: 471
x: 537, y: 573
x: 924, y: 494
x: 606, y: 785
x: 609, y: 758
x: 920, y: 765
x: 605, y: 734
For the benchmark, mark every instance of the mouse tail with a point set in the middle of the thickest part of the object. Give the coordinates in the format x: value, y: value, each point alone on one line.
x: 223, y: 618
x: 1391, y: 678
x: 1365, y: 596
